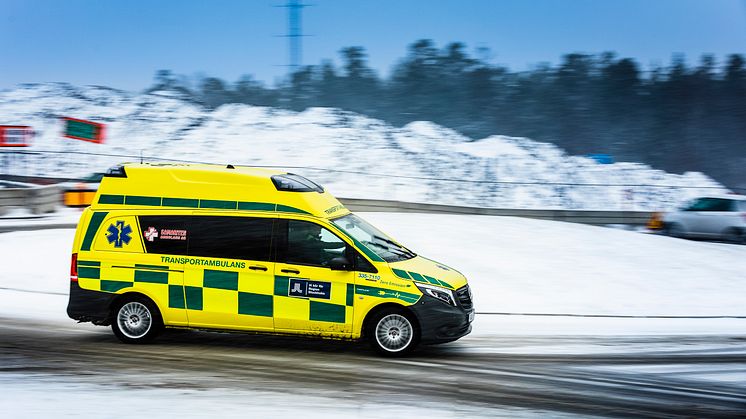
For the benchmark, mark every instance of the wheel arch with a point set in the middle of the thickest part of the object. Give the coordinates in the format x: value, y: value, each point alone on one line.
x: 383, y: 306
x: 129, y: 295
x: 683, y: 231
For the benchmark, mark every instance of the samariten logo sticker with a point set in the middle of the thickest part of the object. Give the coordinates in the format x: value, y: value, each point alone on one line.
x: 173, y: 234
x: 150, y: 234
x: 119, y: 234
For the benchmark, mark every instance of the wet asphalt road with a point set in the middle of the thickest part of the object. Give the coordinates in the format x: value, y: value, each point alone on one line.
x: 473, y: 371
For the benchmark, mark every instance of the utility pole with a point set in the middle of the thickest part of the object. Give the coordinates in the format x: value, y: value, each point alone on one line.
x: 294, y: 33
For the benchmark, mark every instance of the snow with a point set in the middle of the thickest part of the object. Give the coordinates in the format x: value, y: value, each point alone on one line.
x: 513, y: 266
x: 166, y: 126
x: 521, y: 265
x: 44, y: 396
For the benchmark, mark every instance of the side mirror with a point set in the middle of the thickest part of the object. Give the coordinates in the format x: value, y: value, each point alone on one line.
x: 339, y: 264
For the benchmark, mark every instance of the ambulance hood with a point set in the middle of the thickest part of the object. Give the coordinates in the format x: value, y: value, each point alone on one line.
x: 422, y: 269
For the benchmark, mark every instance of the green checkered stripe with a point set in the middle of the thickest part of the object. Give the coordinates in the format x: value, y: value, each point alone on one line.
x: 170, y: 202
x: 252, y: 304
x: 414, y: 276
x: 152, y: 274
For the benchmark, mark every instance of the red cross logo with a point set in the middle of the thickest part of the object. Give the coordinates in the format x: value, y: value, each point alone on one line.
x: 151, y: 234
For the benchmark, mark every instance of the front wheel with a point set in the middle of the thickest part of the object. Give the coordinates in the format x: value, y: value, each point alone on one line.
x: 393, y: 332
x: 136, y: 320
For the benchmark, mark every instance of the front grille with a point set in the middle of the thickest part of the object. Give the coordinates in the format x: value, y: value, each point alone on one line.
x: 463, y: 295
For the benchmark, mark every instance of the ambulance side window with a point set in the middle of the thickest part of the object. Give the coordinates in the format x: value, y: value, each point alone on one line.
x: 164, y: 235
x: 230, y: 237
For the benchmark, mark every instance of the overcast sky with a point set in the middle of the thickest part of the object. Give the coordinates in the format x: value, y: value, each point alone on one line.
x: 122, y: 43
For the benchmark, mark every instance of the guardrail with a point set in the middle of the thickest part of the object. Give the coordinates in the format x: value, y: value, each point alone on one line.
x: 43, y: 199
x: 573, y: 216
x: 37, y: 199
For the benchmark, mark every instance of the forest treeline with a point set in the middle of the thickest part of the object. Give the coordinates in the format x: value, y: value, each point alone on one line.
x: 677, y: 117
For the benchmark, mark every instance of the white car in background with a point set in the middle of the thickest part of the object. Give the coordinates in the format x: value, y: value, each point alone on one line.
x: 717, y: 217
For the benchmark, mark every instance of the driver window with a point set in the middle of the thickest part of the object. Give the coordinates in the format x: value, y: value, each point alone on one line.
x: 311, y: 244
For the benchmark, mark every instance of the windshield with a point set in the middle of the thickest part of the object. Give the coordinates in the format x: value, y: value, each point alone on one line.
x: 373, y: 239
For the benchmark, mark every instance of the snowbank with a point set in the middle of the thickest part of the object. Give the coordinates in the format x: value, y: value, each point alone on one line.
x: 166, y: 126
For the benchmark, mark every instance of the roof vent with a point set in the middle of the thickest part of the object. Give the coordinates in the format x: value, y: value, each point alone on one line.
x: 116, y: 171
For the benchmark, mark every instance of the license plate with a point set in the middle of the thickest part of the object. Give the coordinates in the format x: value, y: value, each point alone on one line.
x: 471, y: 317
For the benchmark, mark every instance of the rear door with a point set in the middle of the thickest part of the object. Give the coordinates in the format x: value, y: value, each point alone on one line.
x: 720, y: 216
x: 229, y: 279
x: 158, y: 271
x: 311, y: 298
x: 693, y: 218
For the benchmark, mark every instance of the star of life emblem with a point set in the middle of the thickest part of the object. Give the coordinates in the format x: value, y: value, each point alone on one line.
x: 119, y: 234
x: 151, y: 234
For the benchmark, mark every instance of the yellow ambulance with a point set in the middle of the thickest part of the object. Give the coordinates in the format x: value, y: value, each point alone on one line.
x: 248, y: 249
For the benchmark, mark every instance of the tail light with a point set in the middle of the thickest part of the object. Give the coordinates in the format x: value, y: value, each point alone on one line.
x: 74, y: 268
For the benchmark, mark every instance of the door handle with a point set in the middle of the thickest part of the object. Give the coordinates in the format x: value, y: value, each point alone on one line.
x: 258, y: 268
x: 291, y: 271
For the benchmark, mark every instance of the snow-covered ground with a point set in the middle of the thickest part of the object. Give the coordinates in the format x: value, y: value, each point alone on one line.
x: 513, y: 265
x: 44, y: 396
x: 369, y: 151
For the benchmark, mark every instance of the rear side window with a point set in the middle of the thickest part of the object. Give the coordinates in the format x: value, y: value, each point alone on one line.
x: 723, y: 205
x: 712, y: 204
x: 230, y: 237
x: 165, y: 235
x: 208, y: 236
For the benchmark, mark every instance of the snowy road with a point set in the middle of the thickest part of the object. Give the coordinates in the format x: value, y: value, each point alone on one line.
x: 57, y: 368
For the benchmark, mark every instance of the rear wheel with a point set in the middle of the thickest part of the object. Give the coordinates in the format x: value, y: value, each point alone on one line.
x: 136, y: 320
x: 393, y: 332
x: 675, y: 230
x: 735, y: 235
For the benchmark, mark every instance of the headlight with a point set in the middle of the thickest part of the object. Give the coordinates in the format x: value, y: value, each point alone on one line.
x: 443, y: 294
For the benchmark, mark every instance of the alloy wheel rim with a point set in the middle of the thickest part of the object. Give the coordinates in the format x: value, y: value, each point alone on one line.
x: 134, y: 320
x: 394, y: 332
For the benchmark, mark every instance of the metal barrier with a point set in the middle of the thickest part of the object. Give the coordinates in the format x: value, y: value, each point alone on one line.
x: 636, y: 218
x: 37, y: 199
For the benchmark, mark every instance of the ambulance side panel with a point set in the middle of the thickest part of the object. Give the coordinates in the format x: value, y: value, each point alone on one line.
x: 112, y: 261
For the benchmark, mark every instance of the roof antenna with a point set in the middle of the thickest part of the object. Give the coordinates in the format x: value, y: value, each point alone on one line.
x: 140, y: 156
x: 230, y: 166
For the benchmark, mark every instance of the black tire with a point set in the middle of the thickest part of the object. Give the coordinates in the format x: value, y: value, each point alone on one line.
x: 136, y: 319
x: 734, y: 235
x: 393, y: 332
x: 675, y: 230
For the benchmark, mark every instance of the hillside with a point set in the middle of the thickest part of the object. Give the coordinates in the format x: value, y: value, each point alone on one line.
x: 366, y: 155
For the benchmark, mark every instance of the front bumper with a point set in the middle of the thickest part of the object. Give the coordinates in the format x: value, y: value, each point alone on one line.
x: 441, y: 322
